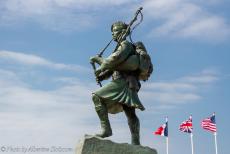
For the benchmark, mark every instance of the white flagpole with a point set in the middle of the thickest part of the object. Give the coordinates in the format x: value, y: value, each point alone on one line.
x: 191, y: 135
x: 215, y: 142
x: 167, y: 145
x: 167, y: 138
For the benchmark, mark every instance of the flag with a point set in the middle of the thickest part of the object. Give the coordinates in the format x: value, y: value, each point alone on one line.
x: 209, y: 123
x: 186, y: 126
x: 162, y: 130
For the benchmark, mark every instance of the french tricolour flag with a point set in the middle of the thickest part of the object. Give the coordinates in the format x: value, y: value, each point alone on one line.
x: 162, y: 130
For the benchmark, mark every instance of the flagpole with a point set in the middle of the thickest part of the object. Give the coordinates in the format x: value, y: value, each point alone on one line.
x: 191, y: 135
x: 215, y: 142
x: 167, y: 138
x: 167, y: 145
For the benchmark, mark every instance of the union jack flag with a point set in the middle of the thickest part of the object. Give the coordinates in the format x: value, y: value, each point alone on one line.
x: 186, y: 126
x: 209, y: 123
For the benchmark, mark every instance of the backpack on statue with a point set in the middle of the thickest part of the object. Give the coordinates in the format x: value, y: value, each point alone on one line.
x: 145, y: 64
x: 140, y: 62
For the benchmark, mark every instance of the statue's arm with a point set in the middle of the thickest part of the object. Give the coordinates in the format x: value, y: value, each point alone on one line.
x: 117, y: 57
x: 109, y: 64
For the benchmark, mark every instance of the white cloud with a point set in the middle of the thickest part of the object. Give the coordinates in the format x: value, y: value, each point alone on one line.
x: 176, y: 18
x: 206, y: 28
x: 44, y: 117
x: 171, y: 97
x: 34, y: 60
x: 58, y: 15
x: 58, y: 117
x: 186, y: 19
x: 205, y: 77
x: 201, y: 79
x: 170, y: 94
x: 61, y: 116
x: 169, y: 86
x: 11, y: 78
x: 44, y: 6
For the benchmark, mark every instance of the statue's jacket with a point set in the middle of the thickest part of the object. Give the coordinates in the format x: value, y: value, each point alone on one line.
x: 124, y: 86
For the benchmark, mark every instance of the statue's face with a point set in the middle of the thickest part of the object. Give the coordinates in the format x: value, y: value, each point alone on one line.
x: 116, y: 31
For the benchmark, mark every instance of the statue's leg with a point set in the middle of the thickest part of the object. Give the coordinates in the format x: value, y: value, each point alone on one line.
x: 102, y: 112
x: 134, y: 124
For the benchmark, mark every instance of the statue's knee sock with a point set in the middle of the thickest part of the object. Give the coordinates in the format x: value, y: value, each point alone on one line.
x: 102, y: 112
x: 134, y: 124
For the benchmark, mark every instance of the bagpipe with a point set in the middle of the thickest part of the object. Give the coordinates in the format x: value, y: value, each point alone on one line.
x: 128, y: 31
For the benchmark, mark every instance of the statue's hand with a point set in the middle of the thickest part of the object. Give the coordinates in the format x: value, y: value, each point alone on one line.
x: 94, y: 59
x: 99, y: 79
x: 97, y: 72
x: 104, y: 75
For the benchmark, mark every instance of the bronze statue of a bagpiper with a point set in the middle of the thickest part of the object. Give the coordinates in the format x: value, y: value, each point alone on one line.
x: 127, y: 65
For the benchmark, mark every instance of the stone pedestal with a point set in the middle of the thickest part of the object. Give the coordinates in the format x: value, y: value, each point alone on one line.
x: 96, y: 145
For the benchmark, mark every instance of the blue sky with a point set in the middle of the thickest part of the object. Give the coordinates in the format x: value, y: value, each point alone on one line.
x: 46, y: 79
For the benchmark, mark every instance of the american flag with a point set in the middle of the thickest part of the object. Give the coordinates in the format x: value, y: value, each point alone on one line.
x: 186, y: 126
x: 209, y: 123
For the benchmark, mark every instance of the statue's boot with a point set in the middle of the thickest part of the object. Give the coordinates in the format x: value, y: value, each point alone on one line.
x: 134, y: 125
x: 102, y: 112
